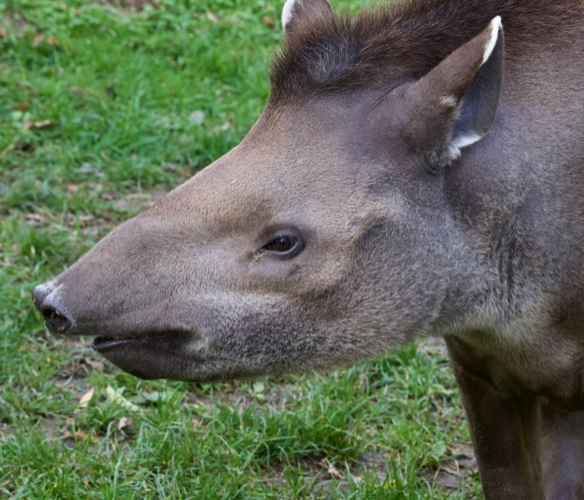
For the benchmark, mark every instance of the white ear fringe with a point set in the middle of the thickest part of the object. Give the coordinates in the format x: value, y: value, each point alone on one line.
x: 462, y: 142
x: 287, y: 12
x: 496, y: 27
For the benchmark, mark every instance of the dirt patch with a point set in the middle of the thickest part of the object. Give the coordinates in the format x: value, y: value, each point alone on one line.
x: 321, y: 477
x: 450, y: 473
x: 371, y: 462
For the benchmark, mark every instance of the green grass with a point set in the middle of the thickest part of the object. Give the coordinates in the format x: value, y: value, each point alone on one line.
x: 101, y: 110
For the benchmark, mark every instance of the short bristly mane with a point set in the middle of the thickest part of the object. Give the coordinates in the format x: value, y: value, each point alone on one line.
x: 407, y: 39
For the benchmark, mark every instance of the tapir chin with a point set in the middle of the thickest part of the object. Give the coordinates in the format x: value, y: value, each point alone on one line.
x: 418, y: 170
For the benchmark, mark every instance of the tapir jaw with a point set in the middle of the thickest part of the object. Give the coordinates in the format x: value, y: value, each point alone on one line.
x: 150, y: 356
x: 171, y: 359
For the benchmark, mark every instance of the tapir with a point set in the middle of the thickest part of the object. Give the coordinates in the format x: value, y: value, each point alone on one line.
x: 418, y: 170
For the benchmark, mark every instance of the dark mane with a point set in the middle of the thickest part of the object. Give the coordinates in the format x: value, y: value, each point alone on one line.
x: 407, y: 39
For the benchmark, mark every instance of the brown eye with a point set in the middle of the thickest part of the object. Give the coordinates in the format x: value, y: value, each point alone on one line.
x: 282, y: 244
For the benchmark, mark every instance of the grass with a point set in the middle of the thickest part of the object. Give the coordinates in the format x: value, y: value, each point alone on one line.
x: 102, y: 110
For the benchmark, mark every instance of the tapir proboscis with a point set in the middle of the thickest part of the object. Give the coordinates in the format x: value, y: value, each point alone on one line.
x: 418, y: 170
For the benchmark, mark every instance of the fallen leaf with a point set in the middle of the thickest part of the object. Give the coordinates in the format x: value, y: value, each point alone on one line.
x: 268, y: 21
x: 116, y: 397
x: 213, y: 17
x: 34, y: 219
x: 27, y: 125
x: 332, y: 470
x: 3, y: 32
x: 53, y: 41
x: 76, y: 89
x: 81, y: 435
x: 38, y: 38
x: 86, y: 398
x: 44, y: 124
x: 2, y: 249
x: 196, y: 423
x: 453, y: 471
x: 125, y: 422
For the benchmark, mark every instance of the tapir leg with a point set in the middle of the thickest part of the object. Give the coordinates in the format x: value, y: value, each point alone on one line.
x: 505, y: 430
x: 562, y: 453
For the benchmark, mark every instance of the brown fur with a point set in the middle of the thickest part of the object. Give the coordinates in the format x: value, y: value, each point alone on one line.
x: 407, y: 39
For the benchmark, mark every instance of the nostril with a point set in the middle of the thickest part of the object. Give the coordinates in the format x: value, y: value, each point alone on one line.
x: 56, y: 321
x: 41, y: 292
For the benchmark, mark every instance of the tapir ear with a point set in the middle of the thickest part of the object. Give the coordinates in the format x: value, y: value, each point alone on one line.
x: 298, y: 15
x: 457, y: 101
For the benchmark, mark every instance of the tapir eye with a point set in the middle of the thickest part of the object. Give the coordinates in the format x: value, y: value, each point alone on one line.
x: 282, y: 244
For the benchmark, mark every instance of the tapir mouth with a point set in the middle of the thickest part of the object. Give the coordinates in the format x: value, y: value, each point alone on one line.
x: 160, y: 354
x: 104, y: 344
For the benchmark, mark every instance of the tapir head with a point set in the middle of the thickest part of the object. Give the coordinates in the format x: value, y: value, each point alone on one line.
x: 323, y: 238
